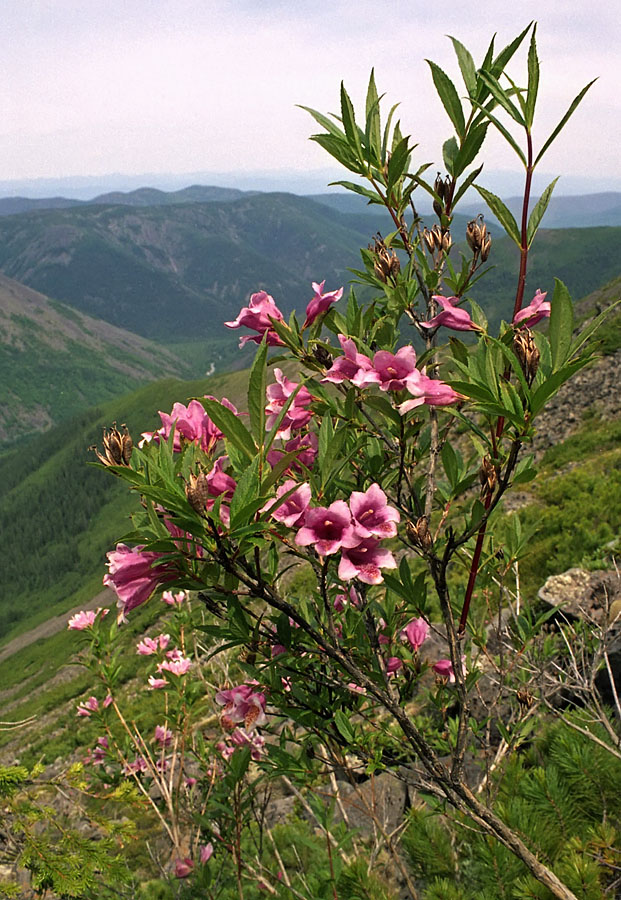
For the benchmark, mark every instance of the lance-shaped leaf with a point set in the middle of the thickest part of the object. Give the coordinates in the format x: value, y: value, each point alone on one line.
x: 324, y: 121
x: 449, y: 97
x: 371, y: 196
x: 501, y: 96
x: 387, y: 132
x: 533, y: 80
x: 538, y: 212
x: 398, y: 164
x: 485, y: 111
x: 561, y: 324
x: 466, y: 66
x: 349, y: 123
x: 449, y: 154
x: 373, y: 130
x: 470, y: 148
x: 502, y: 213
x: 505, y: 55
x: 574, y: 105
x: 256, y: 392
x: 339, y: 149
x: 468, y: 181
x: 246, y: 492
x: 231, y: 426
x: 591, y: 328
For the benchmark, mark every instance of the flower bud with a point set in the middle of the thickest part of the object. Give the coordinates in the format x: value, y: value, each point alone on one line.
x: 526, y: 350
x: 197, y: 492
x: 117, y: 447
x: 418, y: 533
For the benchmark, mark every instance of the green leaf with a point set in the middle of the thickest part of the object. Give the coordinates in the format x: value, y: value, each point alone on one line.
x: 501, y: 128
x: 574, y: 105
x: 324, y: 121
x: 538, y: 212
x: 466, y: 66
x: 387, y: 132
x: 358, y: 189
x: 449, y: 461
x: 342, y: 724
x: 231, y: 426
x: 561, y: 324
x: 554, y: 382
x: 349, y: 123
x: 373, y: 131
x: 246, y: 491
x: 256, y: 392
x: 533, y: 80
x: 466, y: 184
x: 398, y: 163
x: 339, y: 149
x: 470, y: 148
x: 449, y: 97
x: 501, y: 97
x: 450, y: 151
x: 326, y: 437
x: 505, y: 55
x: 501, y: 212
x: 586, y: 333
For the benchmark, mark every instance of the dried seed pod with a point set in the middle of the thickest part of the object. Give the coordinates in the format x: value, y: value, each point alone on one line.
x: 429, y: 240
x: 386, y: 262
x: 323, y: 356
x: 488, y: 475
x: 486, y: 247
x: 197, y: 492
x: 418, y: 533
x: 473, y: 236
x: 117, y: 447
x: 527, y: 352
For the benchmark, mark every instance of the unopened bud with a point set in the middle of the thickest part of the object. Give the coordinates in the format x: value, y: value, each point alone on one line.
x: 418, y: 533
x: 117, y: 447
x: 488, y: 475
x: 197, y: 492
x: 527, y: 352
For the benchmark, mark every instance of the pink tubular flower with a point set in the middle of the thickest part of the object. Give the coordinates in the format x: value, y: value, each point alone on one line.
x: 205, y: 853
x: 365, y: 562
x: 82, y: 620
x: 452, y: 316
x: 428, y: 391
x: 393, y: 369
x: 341, y: 600
x: 320, y: 302
x: 183, y: 867
x: 353, y: 366
x: 293, y: 510
x: 133, y: 577
x: 328, y: 529
x: 393, y: 664
x: 297, y: 416
x: 305, y: 444
x: 89, y: 706
x: 242, y: 704
x: 416, y: 633
x: 218, y: 482
x: 444, y: 668
x: 148, y: 646
x: 537, y: 309
x: 176, y: 663
x: 163, y: 735
x: 174, y: 599
x: 156, y: 683
x: 191, y: 424
x: 372, y: 515
x: 257, y: 316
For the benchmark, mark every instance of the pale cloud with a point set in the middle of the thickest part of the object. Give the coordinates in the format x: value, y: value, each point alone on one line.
x: 187, y: 85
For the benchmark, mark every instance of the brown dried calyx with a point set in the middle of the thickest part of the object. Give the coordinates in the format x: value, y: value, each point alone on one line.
x: 386, y: 262
x: 442, y: 187
x: 437, y: 239
x: 527, y: 352
x: 197, y: 492
x: 117, y: 447
x: 478, y: 238
x: 418, y: 532
x: 488, y: 476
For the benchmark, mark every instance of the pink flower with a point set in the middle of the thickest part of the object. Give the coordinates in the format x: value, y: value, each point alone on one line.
x: 444, y: 668
x: 328, y: 529
x: 205, y: 852
x: 89, y: 706
x: 191, y: 424
x: 257, y: 316
x: 292, y: 511
x: 133, y: 576
x: 356, y: 688
x: 365, y: 562
x: 452, y: 316
x: 163, y: 735
x: 183, y: 867
x: 156, y: 683
x: 148, y: 646
x: 107, y: 701
x: 176, y: 663
x: 341, y: 600
x: 190, y: 782
x: 174, y: 599
x: 416, y: 632
x: 393, y: 664
x: 297, y: 416
x: 218, y: 482
x: 306, y: 444
x: 372, y: 515
x: 537, y: 309
x: 320, y: 302
x: 353, y: 366
x: 82, y: 620
x: 393, y: 369
x: 428, y: 390
x: 242, y: 704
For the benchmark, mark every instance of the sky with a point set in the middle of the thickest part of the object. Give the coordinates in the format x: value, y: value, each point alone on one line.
x: 93, y: 87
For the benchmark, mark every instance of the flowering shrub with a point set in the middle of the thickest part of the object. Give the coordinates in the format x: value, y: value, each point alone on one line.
x: 338, y: 533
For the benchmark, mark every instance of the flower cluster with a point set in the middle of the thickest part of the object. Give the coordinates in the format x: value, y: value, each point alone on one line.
x: 391, y: 372
x: 242, y: 704
x: 133, y: 575
x: 86, y: 618
x: 459, y: 319
x: 190, y: 425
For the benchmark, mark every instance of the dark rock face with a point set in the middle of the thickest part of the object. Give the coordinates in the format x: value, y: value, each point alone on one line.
x: 584, y: 595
